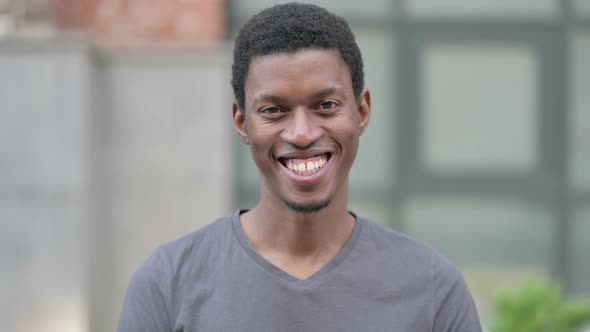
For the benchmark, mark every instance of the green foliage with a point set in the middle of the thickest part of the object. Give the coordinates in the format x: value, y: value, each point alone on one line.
x: 538, y: 307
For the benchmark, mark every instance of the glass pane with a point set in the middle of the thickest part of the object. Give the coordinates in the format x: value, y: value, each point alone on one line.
x: 377, y: 209
x: 480, y: 107
x: 581, y: 248
x: 247, y: 199
x: 345, y: 8
x: 470, y: 9
x: 580, y: 115
x: 496, y: 243
x: 581, y: 8
x: 374, y: 165
x: 480, y: 232
x: 246, y: 170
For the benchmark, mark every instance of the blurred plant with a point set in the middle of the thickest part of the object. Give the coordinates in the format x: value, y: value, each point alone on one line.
x: 538, y: 307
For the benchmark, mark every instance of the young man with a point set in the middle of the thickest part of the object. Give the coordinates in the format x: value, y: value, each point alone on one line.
x: 299, y: 260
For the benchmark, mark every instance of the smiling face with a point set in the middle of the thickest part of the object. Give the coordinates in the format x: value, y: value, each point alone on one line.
x: 302, y: 122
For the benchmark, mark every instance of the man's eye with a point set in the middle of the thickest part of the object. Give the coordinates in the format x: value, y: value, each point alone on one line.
x: 327, y: 105
x: 271, y: 110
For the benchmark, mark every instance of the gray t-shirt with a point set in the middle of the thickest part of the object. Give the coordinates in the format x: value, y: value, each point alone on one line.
x: 213, y: 280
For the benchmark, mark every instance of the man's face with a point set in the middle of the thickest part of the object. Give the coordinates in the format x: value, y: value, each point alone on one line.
x: 303, y: 123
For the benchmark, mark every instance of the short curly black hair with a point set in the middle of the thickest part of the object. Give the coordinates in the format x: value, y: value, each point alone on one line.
x: 288, y: 28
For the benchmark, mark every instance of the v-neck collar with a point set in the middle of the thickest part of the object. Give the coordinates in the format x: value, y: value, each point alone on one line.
x: 273, y: 269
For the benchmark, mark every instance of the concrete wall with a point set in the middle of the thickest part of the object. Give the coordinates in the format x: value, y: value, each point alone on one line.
x: 103, y: 156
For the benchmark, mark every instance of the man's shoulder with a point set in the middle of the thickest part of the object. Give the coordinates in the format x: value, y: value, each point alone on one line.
x: 214, y: 234
x: 191, y: 253
x: 419, y: 268
x: 401, y: 248
x: 387, y: 238
x: 211, y: 231
x: 188, y: 251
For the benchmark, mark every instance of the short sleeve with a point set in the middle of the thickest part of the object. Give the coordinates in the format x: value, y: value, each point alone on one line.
x: 454, y: 309
x: 145, y: 308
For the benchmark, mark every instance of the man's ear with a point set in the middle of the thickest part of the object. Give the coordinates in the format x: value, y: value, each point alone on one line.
x: 364, y: 108
x: 240, y: 123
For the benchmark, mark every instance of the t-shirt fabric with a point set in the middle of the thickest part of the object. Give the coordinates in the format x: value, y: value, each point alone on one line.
x: 214, y: 280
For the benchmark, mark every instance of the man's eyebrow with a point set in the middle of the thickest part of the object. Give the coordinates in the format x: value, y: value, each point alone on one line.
x: 317, y: 95
x: 271, y: 98
x: 327, y: 92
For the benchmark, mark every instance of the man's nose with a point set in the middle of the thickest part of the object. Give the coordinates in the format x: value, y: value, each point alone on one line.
x: 301, y: 129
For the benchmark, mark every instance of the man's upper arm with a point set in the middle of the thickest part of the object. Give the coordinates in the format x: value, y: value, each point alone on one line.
x: 145, y: 307
x: 454, y: 309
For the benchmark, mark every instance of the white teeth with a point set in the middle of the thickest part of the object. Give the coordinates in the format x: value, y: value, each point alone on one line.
x: 307, y: 167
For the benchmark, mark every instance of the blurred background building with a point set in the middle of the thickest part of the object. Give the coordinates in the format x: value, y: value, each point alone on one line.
x: 115, y: 136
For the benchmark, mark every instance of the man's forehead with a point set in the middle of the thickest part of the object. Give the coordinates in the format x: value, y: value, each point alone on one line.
x: 293, y: 63
x: 287, y: 55
x: 324, y: 69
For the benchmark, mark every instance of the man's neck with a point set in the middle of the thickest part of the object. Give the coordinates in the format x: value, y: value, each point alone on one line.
x: 273, y: 227
x: 298, y: 243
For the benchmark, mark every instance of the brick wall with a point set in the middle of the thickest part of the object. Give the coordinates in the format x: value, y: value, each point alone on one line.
x: 128, y: 22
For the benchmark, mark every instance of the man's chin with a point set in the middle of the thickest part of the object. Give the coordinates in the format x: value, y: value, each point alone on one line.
x: 308, y: 208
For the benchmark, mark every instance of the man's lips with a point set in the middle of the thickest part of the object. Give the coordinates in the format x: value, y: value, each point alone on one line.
x: 305, y: 165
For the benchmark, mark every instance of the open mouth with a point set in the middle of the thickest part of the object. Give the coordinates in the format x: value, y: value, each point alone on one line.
x: 306, y: 166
